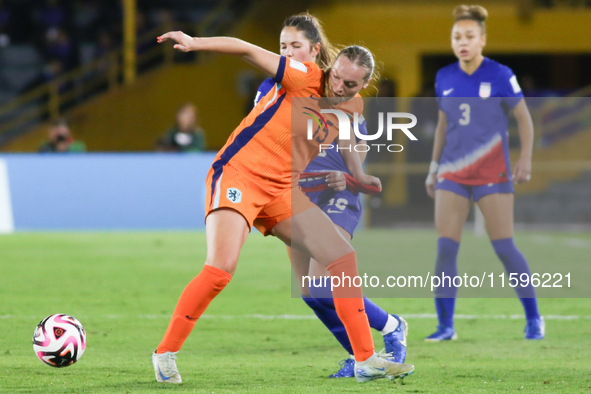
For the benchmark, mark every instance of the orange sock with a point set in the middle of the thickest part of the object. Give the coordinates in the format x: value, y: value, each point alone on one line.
x: 348, y: 301
x: 193, y: 302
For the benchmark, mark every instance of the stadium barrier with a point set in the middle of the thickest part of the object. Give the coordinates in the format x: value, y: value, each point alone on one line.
x: 107, y: 191
x: 160, y: 191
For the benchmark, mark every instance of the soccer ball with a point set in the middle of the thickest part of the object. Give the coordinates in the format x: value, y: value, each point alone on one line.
x: 59, y: 340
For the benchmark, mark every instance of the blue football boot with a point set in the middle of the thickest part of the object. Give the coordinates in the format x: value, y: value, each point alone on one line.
x: 395, y: 342
x: 535, y: 328
x: 443, y: 333
x: 347, y: 369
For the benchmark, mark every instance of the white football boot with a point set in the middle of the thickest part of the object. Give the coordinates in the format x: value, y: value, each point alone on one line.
x: 165, y: 367
x: 377, y: 367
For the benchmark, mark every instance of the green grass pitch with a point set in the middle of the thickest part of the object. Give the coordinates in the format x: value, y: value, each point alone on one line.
x: 123, y: 287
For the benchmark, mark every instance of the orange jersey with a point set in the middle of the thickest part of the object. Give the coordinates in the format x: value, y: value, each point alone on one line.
x: 261, y: 144
x: 271, y: 147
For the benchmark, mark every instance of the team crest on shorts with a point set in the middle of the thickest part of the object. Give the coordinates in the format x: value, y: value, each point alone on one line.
x: 234, y: 195
x: 484, y: 91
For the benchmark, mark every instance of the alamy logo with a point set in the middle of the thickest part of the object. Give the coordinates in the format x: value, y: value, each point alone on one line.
x: 344, y: 125
x: 234, y: 195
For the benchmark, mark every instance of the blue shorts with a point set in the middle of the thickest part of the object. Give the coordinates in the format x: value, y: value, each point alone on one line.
x: 475, y: 192
x: 343, y: 208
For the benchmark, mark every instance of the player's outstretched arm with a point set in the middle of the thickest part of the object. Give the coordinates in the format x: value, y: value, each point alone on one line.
x: 257, y: 56
x: 522, y: 170
x: 438, y: 144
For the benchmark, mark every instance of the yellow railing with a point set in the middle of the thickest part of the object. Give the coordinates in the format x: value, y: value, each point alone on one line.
x: 49, y: 100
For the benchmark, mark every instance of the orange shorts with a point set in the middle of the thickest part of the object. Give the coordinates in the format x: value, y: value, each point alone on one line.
x: 261, y: 202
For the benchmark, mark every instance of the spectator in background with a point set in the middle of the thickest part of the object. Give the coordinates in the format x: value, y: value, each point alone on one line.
x: 186, y: 135
x: 105, y: 45
x: 52, y: 14
x: 52, y: 69
x: 61, y: 140
x: 86, y: 18
x: 58, y: 44
x: 6, y: 21
x: 143, y: 26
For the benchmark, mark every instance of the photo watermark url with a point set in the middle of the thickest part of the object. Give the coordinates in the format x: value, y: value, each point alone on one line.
x: 434, y: 282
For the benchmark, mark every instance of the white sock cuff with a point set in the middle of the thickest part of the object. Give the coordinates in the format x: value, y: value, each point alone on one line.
x: 391, y: 325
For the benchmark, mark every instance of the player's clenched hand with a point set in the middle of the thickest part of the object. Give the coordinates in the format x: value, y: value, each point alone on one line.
x: 432, y: 178
x: 370, y: 180
x: 336, y: 180
x: 184, y: 42
x: 430, y: 184
x: 522, y: 170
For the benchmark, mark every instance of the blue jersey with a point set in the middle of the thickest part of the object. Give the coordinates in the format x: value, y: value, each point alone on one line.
x: 328, y: 159
x: 476, y: 150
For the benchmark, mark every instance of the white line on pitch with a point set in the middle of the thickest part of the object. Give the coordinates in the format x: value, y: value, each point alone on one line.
x: 308, y: 317
x: 569, y: 241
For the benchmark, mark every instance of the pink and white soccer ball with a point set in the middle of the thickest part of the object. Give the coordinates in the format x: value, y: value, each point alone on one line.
x: 59, y: 340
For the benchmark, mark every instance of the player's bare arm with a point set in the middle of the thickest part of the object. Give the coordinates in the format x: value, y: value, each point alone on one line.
x: 438, y: 144
x: 257, y: 56
x: 522, y: 170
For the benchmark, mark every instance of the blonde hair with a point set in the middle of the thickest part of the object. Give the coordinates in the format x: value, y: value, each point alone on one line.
x: 474, y: 13
x: 314, y: 33
x: 360, y: 56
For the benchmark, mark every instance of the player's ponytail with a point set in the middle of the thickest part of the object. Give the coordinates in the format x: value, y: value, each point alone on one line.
x: 314, y: 33
x: 471, y: 12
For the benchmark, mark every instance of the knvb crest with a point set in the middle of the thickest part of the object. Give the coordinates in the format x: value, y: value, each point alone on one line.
x: 234, y: 195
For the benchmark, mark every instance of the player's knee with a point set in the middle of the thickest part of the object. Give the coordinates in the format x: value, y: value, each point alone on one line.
x: 227, y: 264
x: 451, y: 233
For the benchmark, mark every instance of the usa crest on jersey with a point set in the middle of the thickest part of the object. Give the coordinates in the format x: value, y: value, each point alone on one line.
x: 484, y: 90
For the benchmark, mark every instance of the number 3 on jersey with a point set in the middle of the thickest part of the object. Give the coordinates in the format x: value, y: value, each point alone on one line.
x: 465, y: 108
x: 341, y: 204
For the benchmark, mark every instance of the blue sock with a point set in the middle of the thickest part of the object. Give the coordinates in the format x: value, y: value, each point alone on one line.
x: 330, y: 319
x: 515, y: 262
x: 446, y: 266
x: 377, y: 316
